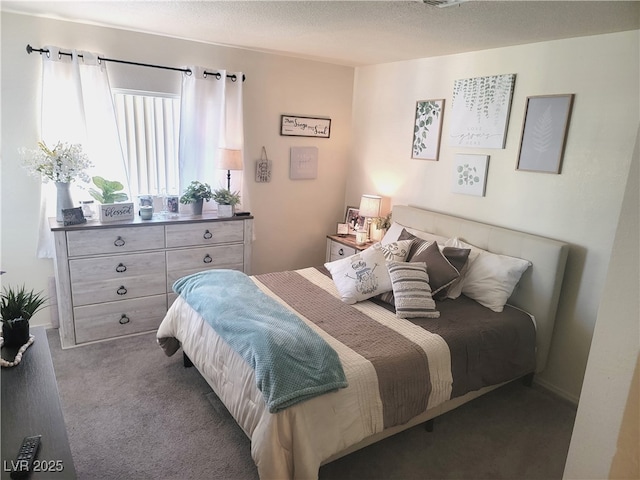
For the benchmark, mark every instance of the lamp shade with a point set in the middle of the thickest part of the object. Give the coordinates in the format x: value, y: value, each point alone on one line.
x: 230, y: 159
x: 370, y: 206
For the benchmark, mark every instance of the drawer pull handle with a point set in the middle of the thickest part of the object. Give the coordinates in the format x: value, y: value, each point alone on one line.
x: 341, y: 252
x: 207, y: 259
x: 121, y: 268
x: 207, y: 235
x: 121, y: 290
x: 124, y: 319
x: 119, y: 242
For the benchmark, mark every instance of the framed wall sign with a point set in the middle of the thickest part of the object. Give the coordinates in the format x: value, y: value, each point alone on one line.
x: 426, y: 129
x: 544, y: 133
x: 479, y: 111
x: 303, y: 163
x: 295, y: 126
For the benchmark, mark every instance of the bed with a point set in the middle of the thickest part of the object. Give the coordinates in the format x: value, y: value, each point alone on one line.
x: 396, y: 372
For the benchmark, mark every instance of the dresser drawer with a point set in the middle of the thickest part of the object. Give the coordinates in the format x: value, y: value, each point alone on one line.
x: 341, y: 251
x: 114, y: 240
x: 188, y: 261
x: 113, y: 319
x: 117, y: 277
x: 204, y: 233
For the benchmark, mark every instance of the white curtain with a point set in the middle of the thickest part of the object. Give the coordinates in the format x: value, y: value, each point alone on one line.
x: 77, y: 107
x: 210, y: 119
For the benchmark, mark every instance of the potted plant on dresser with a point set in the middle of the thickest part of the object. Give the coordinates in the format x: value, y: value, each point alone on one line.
x: 17, y: 306
x: 113, y: 205
x: 227, y: 201
x: 195, y: 195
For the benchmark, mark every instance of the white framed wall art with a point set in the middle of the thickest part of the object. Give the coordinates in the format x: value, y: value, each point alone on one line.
x: 480, y: 111
x: 470, y: 174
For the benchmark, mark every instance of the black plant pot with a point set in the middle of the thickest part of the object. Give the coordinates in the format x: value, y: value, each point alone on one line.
x: 15, y: 332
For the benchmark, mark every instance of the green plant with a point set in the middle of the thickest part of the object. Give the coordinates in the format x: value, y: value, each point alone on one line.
x: 383, y: 222
x: 110, y: 191
x: 223, y: 196
x: 19, y: 304
x: 196, y: 191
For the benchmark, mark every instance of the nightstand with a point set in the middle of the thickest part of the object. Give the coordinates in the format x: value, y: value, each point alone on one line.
x: 341, y: 247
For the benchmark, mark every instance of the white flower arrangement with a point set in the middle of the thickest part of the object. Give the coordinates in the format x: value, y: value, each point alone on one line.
x: 64, y: 163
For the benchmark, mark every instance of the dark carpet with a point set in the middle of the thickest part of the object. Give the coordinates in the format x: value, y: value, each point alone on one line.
x: 131, y: 412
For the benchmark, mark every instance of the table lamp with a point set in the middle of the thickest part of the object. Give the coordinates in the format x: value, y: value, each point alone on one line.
x: 230, y: 159
x: 369, y: 208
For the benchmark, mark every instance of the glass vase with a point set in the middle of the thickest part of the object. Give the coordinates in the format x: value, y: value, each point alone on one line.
x: 63, y: 199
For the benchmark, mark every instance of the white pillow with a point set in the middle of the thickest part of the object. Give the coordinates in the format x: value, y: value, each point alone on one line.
x: 396, y: 229
x: 395, y: 251
x: 361, y: 276
x: 490, y: 278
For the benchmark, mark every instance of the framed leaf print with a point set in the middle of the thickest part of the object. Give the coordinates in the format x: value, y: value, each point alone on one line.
x: 470, y: 174
x: 427, y: 128
x: 544, y: 133
x: 480, y: 111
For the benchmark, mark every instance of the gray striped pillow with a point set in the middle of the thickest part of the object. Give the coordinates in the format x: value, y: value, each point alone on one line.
x: 411, y: 290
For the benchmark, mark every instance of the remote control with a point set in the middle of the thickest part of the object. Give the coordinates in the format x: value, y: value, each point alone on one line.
x: 26, y: 455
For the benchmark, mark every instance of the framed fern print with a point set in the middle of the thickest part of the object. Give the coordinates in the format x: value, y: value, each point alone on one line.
x: 544, y: 133
x: 426, y: 129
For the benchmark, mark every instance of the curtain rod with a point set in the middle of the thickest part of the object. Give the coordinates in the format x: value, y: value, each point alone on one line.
x: 103, y: 59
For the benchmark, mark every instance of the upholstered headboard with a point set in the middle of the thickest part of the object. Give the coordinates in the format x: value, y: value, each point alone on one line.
x: 539, y: 289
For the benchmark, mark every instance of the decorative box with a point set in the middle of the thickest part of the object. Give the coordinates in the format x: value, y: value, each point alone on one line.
x: 112, y: 212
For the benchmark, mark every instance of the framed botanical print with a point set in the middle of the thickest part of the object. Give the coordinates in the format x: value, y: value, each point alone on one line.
x: 544, y: 133
x: 479, y: 113
x: 426, y: 129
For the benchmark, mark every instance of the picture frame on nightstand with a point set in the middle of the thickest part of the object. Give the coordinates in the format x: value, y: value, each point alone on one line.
x: 343, y: 229
x: 353, y: 218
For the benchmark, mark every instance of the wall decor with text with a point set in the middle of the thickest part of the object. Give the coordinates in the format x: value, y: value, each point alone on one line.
x: 296, y: 126
x: 480, y: 111
x: 470, y: 174
x: 544, y: 133
x: 303, y: 163
x: 427, y: 128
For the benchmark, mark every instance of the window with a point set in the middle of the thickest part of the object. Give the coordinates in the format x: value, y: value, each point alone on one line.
x: 149, y: 125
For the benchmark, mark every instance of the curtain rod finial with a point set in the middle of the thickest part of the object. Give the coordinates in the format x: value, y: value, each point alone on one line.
x: 29, y: 49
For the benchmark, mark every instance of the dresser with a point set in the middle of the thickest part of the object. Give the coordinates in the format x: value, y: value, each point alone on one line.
x: 341, y: 247
x: 114, y: 279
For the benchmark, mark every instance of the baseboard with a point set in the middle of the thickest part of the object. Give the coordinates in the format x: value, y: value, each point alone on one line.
x: 556, y: 391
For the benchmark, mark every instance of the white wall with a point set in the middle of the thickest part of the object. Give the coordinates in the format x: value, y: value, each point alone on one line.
x: 607, y: 424
x: 579, y: 206
x: 292, y: 218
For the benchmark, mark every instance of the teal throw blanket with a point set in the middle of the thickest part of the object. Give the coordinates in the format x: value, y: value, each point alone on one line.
x: 292, y: 363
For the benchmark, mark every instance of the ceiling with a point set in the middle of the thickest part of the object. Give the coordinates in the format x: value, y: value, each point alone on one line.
x: 353, y: 33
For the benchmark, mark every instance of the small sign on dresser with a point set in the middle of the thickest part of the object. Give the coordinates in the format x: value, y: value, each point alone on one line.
x: 113, y: 212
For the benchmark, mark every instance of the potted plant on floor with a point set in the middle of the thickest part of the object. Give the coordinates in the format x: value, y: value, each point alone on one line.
x: 111, y: 198
x: 227, y: 201
x: 17, y: 306
x: 195, y: 194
